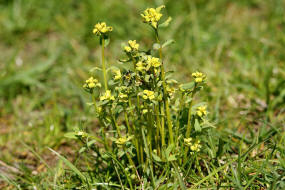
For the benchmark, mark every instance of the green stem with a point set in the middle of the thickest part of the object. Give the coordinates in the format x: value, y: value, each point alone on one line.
x: 162, y: 126
x: 177, y: 117
x: 139, y: 146
x: 103, y: 64
x: 94, y: 102
x: 101, y: 123
x: 115, y: 123
x: 137, y: 88
x: 130, y: 160
x: 188, y: 129
x: 132, y: 130
x: 158, y: 122
x: 165, y: 98
x: 149, y: 129
x: 127, y: 123
x: 141, y: 153
x: 189, y: 114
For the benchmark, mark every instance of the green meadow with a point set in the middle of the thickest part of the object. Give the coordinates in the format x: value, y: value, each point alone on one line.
x: 47, y: 50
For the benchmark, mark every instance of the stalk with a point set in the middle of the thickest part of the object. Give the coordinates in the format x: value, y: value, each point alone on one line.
x: 115, y: 123
x: 127, y: 122
x: 130, y: 132
x: 162, y: 126
x: 101, y: 123
x: 131, y: 163
x: 159, y: 128
x: 139, y: 146
x: 141, y: 153
x: 178, y: 114
x: 188, y: 129
x: 132, y: 129
x: 157, y: 118
x: 103, y: 63
x: 149, y: 131
x: 137, y: 88
x: 189, y: 114
x: 166, y: 103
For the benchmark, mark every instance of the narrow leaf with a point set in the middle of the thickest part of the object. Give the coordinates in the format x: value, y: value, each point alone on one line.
x: 197, y: 126
x: 165, y: 23
x: 69, y: 164
x: 167, y: 43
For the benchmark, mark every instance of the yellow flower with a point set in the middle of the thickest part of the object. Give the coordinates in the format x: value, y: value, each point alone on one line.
x: 107, y: 96
x: 123, y: 97
x: 91, y: 83
x: 133, y: 44
x: 144, y: 111
x: 140, y: 66
x: 196, y: 147
x: 153, y: 61
x: 123, y: 140
x: 199, y: 77
x: 80, y: 133
x: 152, y: 16
x: 201, y: 111
x: 128, y: 49
x: 118, y: 74
x: 170, y: 90
x: 148, y: 94
x: 102, y: 28
x: 198, y: 80
x: 188, y: 141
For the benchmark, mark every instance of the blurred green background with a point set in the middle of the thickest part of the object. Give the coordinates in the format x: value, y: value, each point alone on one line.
x: 47, y: 49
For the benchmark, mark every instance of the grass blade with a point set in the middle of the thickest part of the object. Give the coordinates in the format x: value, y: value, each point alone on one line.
x: 182, y: 185
x: 70, y: 165
x: 9, y: 181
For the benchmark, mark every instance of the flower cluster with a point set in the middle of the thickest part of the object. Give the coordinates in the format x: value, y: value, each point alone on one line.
x: 152, y: 15
x: 140, y: 66
x: 201, y: 111
x: 144, y: 110
x: 107, y: 96
x: 153, y: 61
x: 150, y: 62
x: 188, y: 141
x: 81, y: 134
x: 170, y: 91
x: 199, y: 77
x: 123, y: 97
x: 102, y: 29
x: 117, y: 74
x: 194, y: 147
x: 91, y: 83
x: 148, y: 95
x: 132, y: 47
x: 122, y: 141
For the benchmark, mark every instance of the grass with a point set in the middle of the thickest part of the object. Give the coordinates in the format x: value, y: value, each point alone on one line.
x: 47, y: 49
